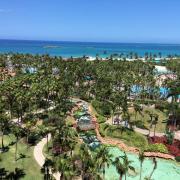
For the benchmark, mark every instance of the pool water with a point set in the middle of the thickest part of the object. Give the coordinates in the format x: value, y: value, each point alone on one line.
x: 166, y: 170
x: 162, y: 90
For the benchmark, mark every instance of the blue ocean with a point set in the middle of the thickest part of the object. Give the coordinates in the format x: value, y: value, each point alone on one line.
x: 78, y: 49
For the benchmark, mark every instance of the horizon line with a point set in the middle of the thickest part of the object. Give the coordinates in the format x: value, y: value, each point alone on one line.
x: 107, y: 42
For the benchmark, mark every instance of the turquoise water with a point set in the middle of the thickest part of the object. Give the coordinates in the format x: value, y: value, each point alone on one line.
x: 76, y: 49
x: 166, y: 170
x: 162, y: 90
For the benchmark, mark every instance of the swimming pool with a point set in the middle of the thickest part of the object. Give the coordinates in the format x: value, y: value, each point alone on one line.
x: 166, y: 169
x: 162, y: 90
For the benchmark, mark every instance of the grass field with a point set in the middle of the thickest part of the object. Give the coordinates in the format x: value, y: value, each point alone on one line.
x: 28, y: 164
x: 129, y: 137
x: 144, y: 118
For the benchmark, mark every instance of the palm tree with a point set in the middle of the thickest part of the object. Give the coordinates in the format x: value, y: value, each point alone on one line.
x: 16, y: 175
x: 84, y: 154
x: 65, y: 166
x: 154, y: 167
x: 137, y: 109
x: 90, y: 166
x: 3, y: 173
x: 17, y: 131
x: 141, y: 159
x: 44, y: 131
x: 151, y: 115
x: 119, y: 167
x: 7, y: 90
x: 156, y: 118
x: 28, y: 127
x: 48, y: 164
x: 104, y: 158
x: 65, y: 136
x: 127, y: 164
x: 4, y: 125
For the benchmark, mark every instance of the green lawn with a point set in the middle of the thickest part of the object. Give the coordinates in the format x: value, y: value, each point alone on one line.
x: 30, y: 166
x: 144, y: 119
x: 129, y: 137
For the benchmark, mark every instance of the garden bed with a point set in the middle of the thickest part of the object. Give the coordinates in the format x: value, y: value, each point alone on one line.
x: 174, y: 148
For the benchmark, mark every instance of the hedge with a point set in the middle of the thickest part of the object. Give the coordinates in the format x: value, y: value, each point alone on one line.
x: 102, y: 108
x: 158, y: 147
x: 177, y: 158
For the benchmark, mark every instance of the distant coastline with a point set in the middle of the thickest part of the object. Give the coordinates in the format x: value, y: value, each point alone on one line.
x: 90, y: 49
x: 51, y: 46
x: 97, y: 42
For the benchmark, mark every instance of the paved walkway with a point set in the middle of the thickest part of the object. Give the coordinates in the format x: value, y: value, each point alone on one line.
x: 39, y: 156
x: 15, y: 120
x: 146, y: 132
x: 38, y: 149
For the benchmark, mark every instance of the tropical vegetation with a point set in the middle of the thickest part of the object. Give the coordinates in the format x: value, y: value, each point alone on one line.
x: 37, y: 95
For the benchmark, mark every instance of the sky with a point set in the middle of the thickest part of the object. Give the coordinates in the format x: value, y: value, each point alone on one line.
x: 154, y: 21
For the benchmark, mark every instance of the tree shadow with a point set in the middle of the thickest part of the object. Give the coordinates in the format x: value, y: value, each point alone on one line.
x: 22, y: 156
x: 4, y: 149
x: 165, y: 121
x: 12, y: 143
x: 16, y: 174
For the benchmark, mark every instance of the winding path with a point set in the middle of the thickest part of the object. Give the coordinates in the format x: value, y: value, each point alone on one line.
x: 38, y: 149
x: 146, y: 132
x: 16, y: 120
x: 39, y: 156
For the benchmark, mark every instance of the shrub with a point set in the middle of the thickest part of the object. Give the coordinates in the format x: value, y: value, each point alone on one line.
x: 156, y: 139
x: 173, y: 150
x: 102, y: 128
x: 177, y: 158
x: 161, y: 105
x: 158, y: 147
x: 102, y: 108
x: 145, y: 101
x: 140, y: 124
x: 101, y: 119
x: 170, y: 137
x: 102, y: 134
x: 176, y: 143
x: 33, y: 138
